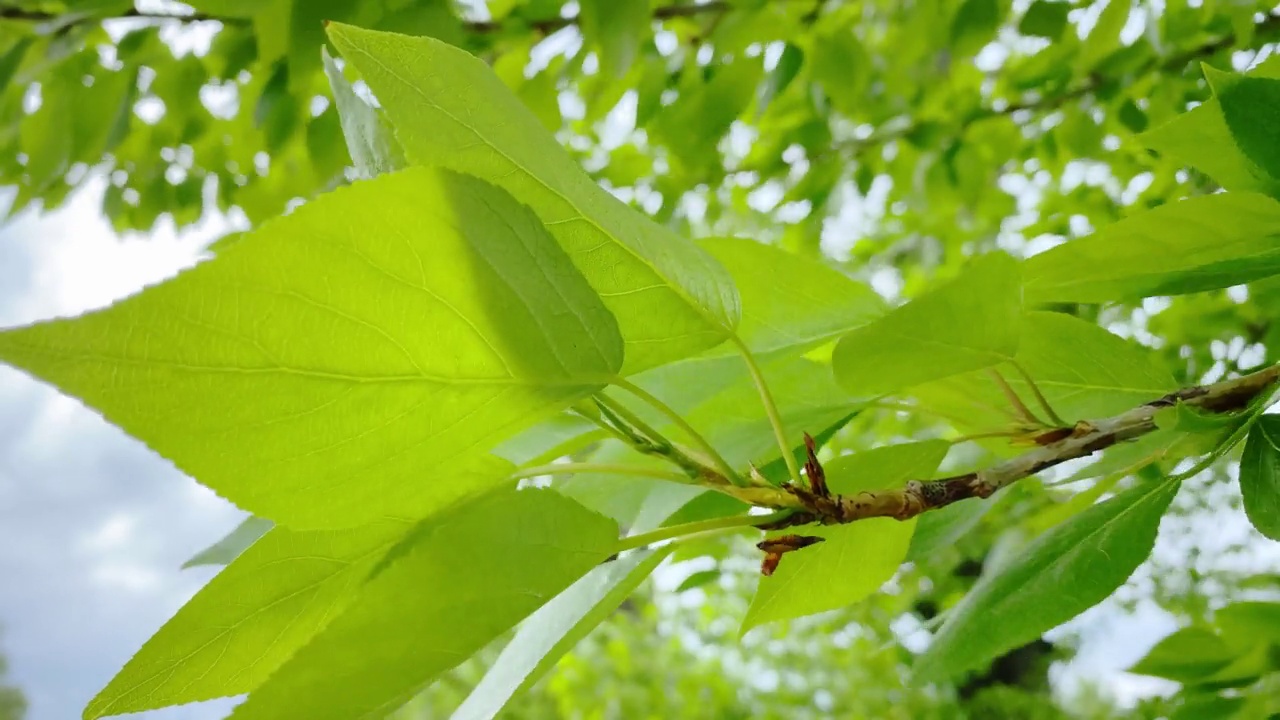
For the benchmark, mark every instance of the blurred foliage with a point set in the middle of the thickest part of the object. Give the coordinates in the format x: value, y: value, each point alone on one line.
x: 891, y: 138
x: 13, y: 704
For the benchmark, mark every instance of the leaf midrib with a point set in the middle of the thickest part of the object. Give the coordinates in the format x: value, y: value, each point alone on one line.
x: 579, y: 381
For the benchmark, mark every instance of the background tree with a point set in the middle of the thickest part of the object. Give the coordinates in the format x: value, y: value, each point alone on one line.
x: 13, y: 706
x: 893, y: 141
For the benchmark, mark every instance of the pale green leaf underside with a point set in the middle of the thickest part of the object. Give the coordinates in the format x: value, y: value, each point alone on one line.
x: 1260, y: 476
x: 351, y: 361
x: 671, y: 299
x: 1197, y: 244
x: 554, y: 629
x: 1062, y: 573
x: 231, y: 546
x: 370, y: 140
x: 456, y: 584
x: 855, y: 559
x: 249, y: 619
x: 1084, y: 371
x: 966, y: 324
x: 791, y: 302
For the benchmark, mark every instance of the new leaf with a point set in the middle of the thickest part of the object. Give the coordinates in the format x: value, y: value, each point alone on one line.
x: 351, y: 361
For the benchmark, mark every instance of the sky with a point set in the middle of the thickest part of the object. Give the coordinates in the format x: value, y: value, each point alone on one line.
x: 93, y: 526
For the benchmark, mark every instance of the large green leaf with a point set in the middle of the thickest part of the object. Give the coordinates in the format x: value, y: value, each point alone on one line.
x: 1057, y: 576
x: 1202, y: 243
x: 554, y: 629
x: 855, y: 559
x: 791, y: 302
x: 230, y: 547
x: 350, y: 361
x: 370, y: 140
x: 1083, y: 371
x: 250, y: 619
x: 455, y: 585
x: 671, y: 299
x: 967, y: 324
x: 1260, y: 476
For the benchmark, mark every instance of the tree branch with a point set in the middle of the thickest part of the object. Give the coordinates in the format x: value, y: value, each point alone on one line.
x: 545, y: 26
x: 1086, y: 438
x: 1262, y: 30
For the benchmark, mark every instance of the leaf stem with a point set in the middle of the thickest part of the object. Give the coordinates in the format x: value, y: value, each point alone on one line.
x: 715, y: 525
x: 1040, y: 398
x: 632, y: 419
x: 1023, y: 411
x: 604, y: 468
x: 721, y: 464
x: 770, y: 410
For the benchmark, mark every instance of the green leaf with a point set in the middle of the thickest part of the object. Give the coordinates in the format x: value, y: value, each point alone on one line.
x: 1260, y: 476
x: 231, y: 546
x: 1057, y: 576
x: 552, y: 631
x: 1202, y: 243
x: 636, y: 503
x: 1247, y: 623
x: 616, y: 28
x: 250, y: 619
x: 778, y: 79
x: 670, y: 298
x: 975, y: 25
x: 967, y: 324
x: 855, y: 559
x: 350, y: 361
x: 733, y: 421
x: 456, y: 584
x: 370, y: 140
x: 1186, y: 656
x: 1250, y: 106
x: 842, y: 67
x: 1045, y: 18
x: 790, y: 302
x: 1201, y: 138
x: 940, y: 529
x: 1082, y: 370
x: 1104, y: 37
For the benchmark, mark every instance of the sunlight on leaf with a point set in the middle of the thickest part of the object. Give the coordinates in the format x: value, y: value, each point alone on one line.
x: 555, y: 628
x: 454, y: 585
x: 855, y: 559
x: 250, y: 619
x: 966, y: 324
x: 671, y: 299
x: 350, y: 361
x: 1201, y: 243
